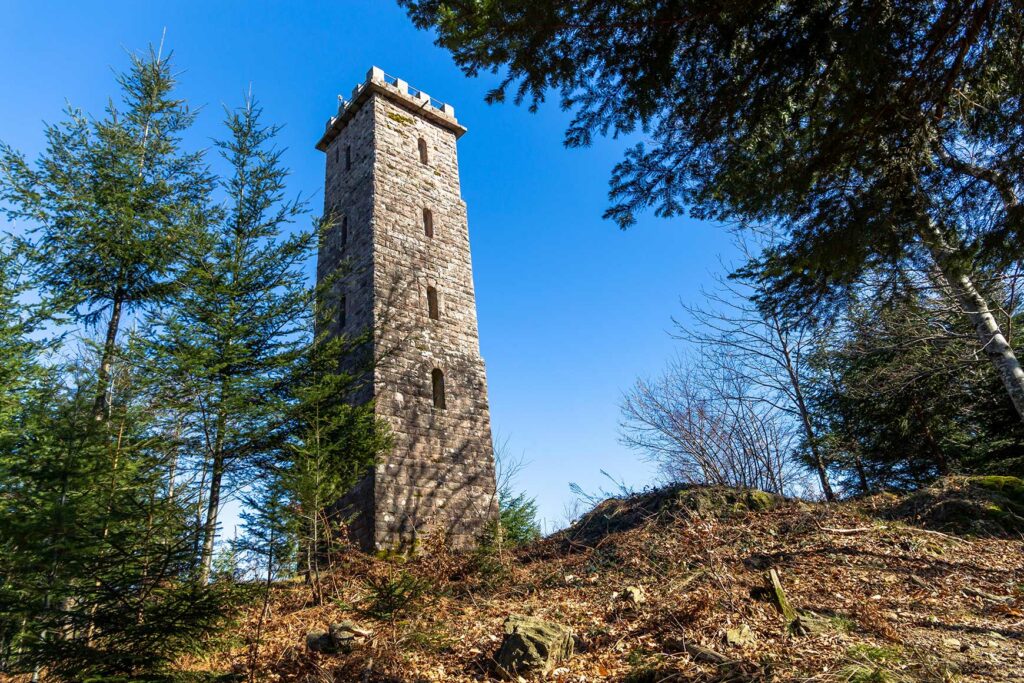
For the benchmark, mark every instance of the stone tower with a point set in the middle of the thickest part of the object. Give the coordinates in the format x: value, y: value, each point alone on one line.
x: 399, y: 250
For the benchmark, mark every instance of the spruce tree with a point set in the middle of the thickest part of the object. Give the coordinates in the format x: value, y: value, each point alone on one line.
x: 20, y: 367
x: 22, y: 380
x: 332, y: 444
x: 108, y: 204
x: 866, y: 132
x: 101, y: 555
x: 228, y: 338
x: 904, y: 398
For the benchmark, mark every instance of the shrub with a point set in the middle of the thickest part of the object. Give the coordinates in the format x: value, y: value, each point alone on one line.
x: 394, y: 594
x: 518, y: 519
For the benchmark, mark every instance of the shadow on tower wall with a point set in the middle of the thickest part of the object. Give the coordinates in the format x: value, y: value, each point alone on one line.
x: 438, y: 478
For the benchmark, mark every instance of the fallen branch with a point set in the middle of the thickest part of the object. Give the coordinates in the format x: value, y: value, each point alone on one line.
x: 862, y: 529
x: 699, y: 653
x: 1001, y: 599
x: 707, y: 655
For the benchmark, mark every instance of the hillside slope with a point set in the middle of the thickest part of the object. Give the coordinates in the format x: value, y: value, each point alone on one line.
x: 879, y: 600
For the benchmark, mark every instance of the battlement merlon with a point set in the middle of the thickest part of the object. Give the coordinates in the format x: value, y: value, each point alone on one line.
x: 397, y: 90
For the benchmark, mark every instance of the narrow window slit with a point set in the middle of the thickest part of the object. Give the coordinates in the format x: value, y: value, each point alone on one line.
x: 432, y: 303
x: 428, y: 222
x: 437, y: 382
x: 422, y: 144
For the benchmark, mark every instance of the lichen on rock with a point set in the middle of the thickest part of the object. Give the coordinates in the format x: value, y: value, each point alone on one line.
x: 532, y: 646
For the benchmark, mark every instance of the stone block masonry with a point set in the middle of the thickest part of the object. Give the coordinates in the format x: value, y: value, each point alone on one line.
x: 398, y: 257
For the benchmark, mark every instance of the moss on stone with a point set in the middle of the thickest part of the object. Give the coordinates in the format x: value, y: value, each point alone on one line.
x: 532, y: 646
x: 722, y: 501
x: 985, y: 505
x: 1011, y: 487
x: 621, y: 514
x: 758, y: 500
x: 405, y: 120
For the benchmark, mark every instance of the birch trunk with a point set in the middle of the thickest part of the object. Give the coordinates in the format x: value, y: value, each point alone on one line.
x: 976, y: 308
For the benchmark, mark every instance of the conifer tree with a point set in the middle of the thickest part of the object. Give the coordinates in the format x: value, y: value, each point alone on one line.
x: 904, y: 397
x: 94, y: 574
x: 19, y: 352
x: 333, y: 443
x: 101, y: 556
x: 228, y: 339
x: 109, y: 202
x: 868, y: 132
x: 22, y: 378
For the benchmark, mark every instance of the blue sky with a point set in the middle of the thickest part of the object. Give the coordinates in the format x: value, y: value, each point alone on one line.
x: 571, y: 309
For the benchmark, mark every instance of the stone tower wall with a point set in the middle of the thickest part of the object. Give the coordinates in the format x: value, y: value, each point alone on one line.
x: 439, y: 476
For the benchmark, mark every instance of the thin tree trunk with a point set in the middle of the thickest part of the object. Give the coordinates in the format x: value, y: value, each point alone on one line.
x: 976, y: 308
x: 210, y: 526
x: 99, y: 409
x: 254, y: 647
x: 819, y: 462
x: 318, y: 597
x: 213, y: 506
x: 198, y: 549
x: 861, y: 474
x: 805, y: 414
x: 111, y: 490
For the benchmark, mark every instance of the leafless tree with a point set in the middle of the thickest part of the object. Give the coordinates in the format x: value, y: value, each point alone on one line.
x: 766, y: 352
x: 699, y: 424
x: 507, y: 466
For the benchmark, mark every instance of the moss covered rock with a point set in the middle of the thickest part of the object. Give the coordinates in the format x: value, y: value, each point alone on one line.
x: 979, y: 505
x: 758, y: 500
x: 621, y: 514
x: 722, y: 501
x: 532, y: 646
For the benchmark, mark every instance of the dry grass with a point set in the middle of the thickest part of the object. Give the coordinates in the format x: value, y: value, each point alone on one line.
x: 893, y: 602
x: 891, y: 598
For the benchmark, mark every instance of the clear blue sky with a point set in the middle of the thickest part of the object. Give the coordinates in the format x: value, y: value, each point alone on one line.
x: 571, y: 309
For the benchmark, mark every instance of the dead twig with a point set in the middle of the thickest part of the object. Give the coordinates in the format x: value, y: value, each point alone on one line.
x: 844, y: 532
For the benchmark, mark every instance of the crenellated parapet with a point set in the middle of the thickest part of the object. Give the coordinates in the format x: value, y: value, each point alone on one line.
x: 398, y: 91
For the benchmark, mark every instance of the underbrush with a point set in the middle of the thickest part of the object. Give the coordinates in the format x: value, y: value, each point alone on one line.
x: 877, y: 601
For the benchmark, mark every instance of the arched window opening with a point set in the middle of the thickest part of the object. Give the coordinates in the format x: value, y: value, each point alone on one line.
x: 437, y: 380
x: 432, y: 303
x: 344, y: 231
x: 335, y: 155
x: 423, y: 151
x: 348, y: 157
x: 428, y: 222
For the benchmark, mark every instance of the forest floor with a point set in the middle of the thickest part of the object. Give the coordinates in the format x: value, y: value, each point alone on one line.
x: 886, y: 594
